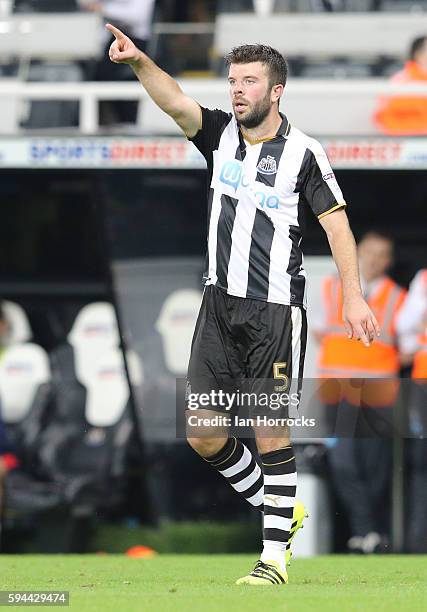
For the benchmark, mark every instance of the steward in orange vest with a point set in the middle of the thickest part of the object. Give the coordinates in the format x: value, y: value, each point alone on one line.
x: 406, y: 114
x: 419, y: 370
x: 341, y: 357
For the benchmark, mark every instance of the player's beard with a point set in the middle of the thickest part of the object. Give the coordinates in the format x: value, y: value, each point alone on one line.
x: 257, y: 114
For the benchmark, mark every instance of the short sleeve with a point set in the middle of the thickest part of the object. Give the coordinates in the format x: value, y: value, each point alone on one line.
x: 317, y: 182
x: 212, y: 124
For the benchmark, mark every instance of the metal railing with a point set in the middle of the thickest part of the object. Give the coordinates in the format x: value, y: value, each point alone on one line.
x: 322, y: 107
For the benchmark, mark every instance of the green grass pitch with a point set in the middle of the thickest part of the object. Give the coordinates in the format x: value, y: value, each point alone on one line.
x: 201, y: 583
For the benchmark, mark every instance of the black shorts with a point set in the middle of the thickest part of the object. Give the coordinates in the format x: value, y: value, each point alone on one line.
x: 240, y: 339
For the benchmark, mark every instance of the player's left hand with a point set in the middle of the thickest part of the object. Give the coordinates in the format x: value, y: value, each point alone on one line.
x: 359, y: 320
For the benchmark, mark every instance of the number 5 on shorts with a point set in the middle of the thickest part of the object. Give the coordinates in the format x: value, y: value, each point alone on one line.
x: 279, y: 369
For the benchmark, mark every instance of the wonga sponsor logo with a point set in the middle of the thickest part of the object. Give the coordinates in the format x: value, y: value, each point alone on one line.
x: 232, y: 174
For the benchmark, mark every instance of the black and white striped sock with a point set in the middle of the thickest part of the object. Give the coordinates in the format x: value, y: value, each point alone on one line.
x: 236, y: 463
x: 280, y: 483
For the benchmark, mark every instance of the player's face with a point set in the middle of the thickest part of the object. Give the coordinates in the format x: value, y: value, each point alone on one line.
x: 250, y: 93
x: 375, y: 257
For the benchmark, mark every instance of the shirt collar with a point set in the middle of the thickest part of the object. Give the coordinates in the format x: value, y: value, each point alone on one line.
x: 283, y: 130
x: 284, y: 126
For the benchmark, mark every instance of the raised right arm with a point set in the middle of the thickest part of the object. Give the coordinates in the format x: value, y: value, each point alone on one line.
x: 159, y: 85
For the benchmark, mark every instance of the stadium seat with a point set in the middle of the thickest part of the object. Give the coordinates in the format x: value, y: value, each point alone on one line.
x: 95, y: 324
x: 45, y: 6
x: 175, y: 324
x: 24, y: 387
x: 108, y: 389
x: 87, y: 452
x: 81, y: 456
x: 327, y: 35
x: 403, y: 6
x: 234, y: 6
x: 94, y: 331
x: 336, y: 70
x: 391, y: 69
x: 26, y: 396
x: 19, y: 326
x: 90, y: 389
x: 53, y: 113
x: 10, y: 109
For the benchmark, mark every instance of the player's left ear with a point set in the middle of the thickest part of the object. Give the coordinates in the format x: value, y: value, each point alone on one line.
x: 277, y: 92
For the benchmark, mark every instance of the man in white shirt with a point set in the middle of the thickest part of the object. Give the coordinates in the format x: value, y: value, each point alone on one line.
x: 135, y: 16
x: 135, y: 19
x: 412, y: 330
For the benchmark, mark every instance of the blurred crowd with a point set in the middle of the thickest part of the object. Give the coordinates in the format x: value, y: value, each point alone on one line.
x: 191, y: 52
x: 199, y: 10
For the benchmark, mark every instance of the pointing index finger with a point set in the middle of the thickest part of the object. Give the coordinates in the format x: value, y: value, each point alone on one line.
x: 115, y: 31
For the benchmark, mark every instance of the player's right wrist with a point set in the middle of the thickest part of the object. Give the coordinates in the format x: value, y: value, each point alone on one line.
x: 351, y: 297
x: 138, y: 62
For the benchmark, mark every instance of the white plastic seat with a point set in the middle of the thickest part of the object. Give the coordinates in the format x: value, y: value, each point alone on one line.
x: 336, y: 70
x: 176, y: 324
x: 19, y: 326
x: 23, y: 368
x: 108, y: 389
x: 94, y: 331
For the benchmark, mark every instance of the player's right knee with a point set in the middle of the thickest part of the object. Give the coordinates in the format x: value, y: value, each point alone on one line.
x: 206, y: 447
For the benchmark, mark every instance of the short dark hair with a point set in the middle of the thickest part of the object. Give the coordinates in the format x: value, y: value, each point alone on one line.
x: 378, y: 234
x: 275, y: 62
x: 416, y: 45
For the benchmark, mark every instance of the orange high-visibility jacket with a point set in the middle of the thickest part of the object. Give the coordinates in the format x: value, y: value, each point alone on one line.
x: 341, y: 357
x: 404, y: 115
x: 419, y: 369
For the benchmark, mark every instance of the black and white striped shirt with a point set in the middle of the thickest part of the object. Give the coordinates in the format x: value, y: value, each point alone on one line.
x: 255, y: 194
